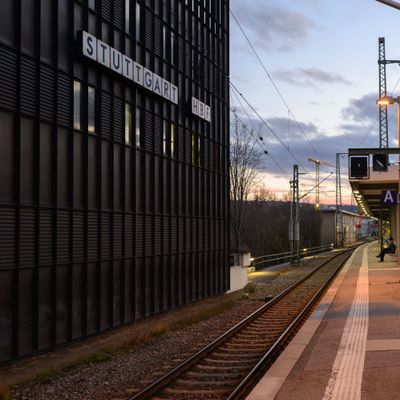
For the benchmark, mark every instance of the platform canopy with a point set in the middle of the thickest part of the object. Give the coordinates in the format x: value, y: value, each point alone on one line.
x: 368, y: 191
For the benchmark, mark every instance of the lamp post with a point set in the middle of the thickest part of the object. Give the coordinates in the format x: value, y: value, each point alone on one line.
x: 385, y: 101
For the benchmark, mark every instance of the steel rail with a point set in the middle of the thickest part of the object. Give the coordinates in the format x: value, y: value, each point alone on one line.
x: 288, y: 254
x: 164, y: 380
x: 269, y: 356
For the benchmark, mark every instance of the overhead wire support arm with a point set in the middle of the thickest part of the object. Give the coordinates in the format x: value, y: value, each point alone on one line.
x: 323, y: 180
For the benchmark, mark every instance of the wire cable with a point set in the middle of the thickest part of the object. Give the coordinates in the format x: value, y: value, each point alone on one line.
x: 272, y: 81
x: 269, y: 127
x: 254, y: 127
x: 377, y: 119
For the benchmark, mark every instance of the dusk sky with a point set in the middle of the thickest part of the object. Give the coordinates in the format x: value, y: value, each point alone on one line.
x: 322, y: 56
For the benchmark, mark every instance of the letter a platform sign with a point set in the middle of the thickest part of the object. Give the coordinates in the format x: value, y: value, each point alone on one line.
x: 389, y: 197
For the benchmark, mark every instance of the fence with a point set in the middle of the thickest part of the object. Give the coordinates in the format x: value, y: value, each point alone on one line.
x: 272, y: 259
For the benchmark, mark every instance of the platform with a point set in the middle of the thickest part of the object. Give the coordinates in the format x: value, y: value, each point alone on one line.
x: 349, y: 349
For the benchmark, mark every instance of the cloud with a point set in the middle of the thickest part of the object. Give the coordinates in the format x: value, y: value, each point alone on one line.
x: 273, y: 26
x: 288, y: 128
x: 309, y: 77
x: 362, y: 110
x: 359, y: 128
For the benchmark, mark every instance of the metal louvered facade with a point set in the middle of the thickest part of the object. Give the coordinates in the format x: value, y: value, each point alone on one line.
x: 114, y: 201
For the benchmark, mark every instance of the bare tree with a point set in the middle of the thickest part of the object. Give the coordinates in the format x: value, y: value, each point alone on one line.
x: 261, y: 193
x: 244, y: 159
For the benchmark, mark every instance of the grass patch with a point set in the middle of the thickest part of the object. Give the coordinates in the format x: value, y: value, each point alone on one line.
x: 95, y: 358
x: 250, y: 288
x: 134, y: 336
x: 44, y: 376
x: 48, y: 375
x: 150, y: 330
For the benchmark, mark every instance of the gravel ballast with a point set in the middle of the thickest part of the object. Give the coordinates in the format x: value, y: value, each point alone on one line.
x: 130, y: 370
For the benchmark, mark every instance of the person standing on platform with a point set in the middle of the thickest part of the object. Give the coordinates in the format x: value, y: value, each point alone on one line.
x: 388, y: 247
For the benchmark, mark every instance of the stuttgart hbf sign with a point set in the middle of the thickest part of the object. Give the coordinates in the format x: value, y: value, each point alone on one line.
x: 102, y: 53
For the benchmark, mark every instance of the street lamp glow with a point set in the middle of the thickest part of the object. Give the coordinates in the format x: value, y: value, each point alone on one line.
x: 386, y: 100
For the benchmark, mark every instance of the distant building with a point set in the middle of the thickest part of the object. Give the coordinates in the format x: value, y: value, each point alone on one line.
x: 355, y: 227
x: 114, y: 135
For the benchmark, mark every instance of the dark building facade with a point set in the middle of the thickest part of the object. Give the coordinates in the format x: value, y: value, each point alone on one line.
x: 114, y: 143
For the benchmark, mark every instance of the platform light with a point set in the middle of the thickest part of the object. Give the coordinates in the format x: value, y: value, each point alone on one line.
x: 385, y: 101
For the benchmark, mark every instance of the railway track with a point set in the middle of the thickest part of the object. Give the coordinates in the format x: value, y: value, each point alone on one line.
x: 228, y: 367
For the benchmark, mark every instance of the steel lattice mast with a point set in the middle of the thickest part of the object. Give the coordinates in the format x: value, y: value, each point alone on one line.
x: 383, y: 121
x: 294, y: 224
x: 338, y: 213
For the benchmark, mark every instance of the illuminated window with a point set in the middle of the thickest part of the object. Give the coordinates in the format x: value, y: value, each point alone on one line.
x: 165, y: 138
x: 194, y: 143
x: 77, y: 104
x: 199, y: 150
x: 91, y: 109
x: 173, y: 138
x: 137, y: 128
x: 128, y: 124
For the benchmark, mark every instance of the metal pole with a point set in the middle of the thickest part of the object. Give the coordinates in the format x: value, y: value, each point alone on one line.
x: 383, y: 120
x: 390, y: 3
x: 338, y: 210
x: 291, y: 232
x: 381, y: 228
x: 297, y: 223
x: 398, y: 184
x: 295, y: 215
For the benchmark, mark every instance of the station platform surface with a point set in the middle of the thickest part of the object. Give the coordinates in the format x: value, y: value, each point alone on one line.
x: 349, y: 349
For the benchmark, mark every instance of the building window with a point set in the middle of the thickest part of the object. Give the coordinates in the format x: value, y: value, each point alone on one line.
x: 199, y: 150
x: 137, y: 27
x: 164, y: 42
x: 172, y: 48
x: 127, y: 16
x: 194, y: 148
x: 217, y: 157
x: 173, y: 139
x: 137, y: 128
x: 77, y: 104
x: 92, y: 4
x: 128, y: 124
x: 91, y: 109
x: 165, y: 138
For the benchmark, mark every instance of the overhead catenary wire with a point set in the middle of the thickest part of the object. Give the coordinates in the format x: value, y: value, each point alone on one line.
x: 273, y: 82
x: 269, y: 127
x: 255, y: 139
x: 254, y: 127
